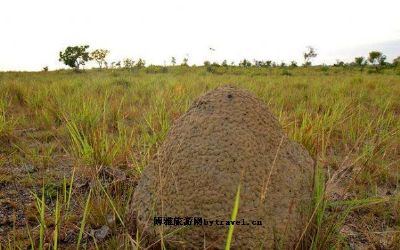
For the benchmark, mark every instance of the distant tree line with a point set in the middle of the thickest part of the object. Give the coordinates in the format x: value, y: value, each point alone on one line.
x: 77, y: 56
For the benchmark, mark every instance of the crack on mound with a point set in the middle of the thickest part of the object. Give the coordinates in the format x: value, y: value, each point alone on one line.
x: 227, y: 137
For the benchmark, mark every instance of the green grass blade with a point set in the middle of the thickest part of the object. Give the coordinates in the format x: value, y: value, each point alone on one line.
x: 83, y: 222
x: 233, y: 218
x: 56, y: 223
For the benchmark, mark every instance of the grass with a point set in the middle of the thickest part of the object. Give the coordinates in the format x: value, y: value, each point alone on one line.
x: 83, y: 222
x: 68, y: 126
x: 235, y: 210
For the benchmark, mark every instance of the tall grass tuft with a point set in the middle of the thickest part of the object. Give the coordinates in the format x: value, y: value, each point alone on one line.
x: 41, y: 208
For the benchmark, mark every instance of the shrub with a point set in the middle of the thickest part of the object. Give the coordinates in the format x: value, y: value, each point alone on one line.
x: 154, y: 69
x: 285, y: 72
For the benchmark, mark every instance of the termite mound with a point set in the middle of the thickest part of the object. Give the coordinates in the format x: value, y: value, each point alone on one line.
x: 226, y: 138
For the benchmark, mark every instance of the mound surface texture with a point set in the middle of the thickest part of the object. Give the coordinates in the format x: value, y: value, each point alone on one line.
x: 227, y: 137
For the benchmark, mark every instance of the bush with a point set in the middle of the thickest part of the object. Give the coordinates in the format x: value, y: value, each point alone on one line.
x: 153, y: 69
x: 325, y: 68
x: 285, y: 72
x: 210, y: 69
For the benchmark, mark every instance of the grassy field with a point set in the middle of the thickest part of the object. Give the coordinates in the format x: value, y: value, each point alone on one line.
x: 73, y: 146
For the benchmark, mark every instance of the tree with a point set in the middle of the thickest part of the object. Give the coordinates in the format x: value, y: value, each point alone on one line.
x: 173, y: 61
x: 382, y: 60
x: 74, y: 56
x: 360, y: 62
x: 99, y: 55
x: 293, y: 64
x: 128, y: 63
x: 140, y: 63
x: 377, y: 58
x: 185, y: 62
x: 338, y: 63
x: 245, y: 63
x: 396, y: 61
x: 308, y: 55
x: 261, y: 63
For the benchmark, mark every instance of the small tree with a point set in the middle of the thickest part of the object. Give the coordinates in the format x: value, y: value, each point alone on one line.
x: 173, y: 61
x: 377, y: 59
x: 264, y: 64
x: 245, y: 63
x: 396, y: 61
x: 360, y: 62
x: 127, y: 63
x: 338, y: 63
x: 185, y: 62
x: 309, y: 55
x: 140, y: 63
x: 74, y: 56
x: 293, y: 64
x: 99, y: 55
x: 382, y: 60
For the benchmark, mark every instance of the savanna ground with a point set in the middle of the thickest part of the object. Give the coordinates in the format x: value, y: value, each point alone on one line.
x: 73, y: 146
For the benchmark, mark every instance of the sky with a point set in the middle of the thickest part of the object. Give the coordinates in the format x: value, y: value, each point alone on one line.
x: 33, y: 32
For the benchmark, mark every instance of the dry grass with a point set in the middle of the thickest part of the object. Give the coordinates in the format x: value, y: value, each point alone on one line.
x: 53, y: 122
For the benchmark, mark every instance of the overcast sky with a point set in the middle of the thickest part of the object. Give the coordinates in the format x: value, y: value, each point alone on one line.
x: 33, y: 32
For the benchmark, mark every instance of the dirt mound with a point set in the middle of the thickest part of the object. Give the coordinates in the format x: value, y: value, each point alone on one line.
x: 227, y: 137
